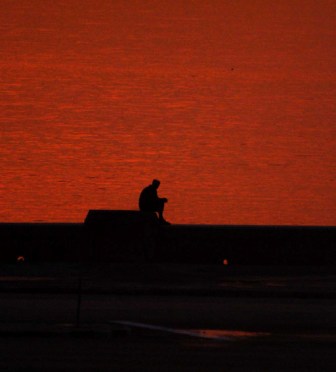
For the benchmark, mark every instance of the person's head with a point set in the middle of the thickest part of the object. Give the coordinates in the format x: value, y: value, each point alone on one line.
x: 156, y: 183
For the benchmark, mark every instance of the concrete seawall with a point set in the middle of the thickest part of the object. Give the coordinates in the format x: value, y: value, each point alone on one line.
x: 123, y: 241
x: 41, y: 242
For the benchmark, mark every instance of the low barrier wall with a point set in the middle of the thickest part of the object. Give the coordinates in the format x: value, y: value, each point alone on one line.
x: 129, y: 236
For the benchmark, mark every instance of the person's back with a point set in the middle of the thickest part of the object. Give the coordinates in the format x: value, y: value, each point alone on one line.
x: 148, y: 198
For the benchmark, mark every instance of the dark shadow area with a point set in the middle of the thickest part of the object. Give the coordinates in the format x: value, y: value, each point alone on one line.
x: 135, y: 236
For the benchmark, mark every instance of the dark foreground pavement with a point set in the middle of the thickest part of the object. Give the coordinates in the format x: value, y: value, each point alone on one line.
x: 51, y: 320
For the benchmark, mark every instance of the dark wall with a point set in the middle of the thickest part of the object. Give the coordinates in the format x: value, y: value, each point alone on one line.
x: 124, y: 242
x: 254, y: 245
x: 121, y: 235
x: 41, y: 242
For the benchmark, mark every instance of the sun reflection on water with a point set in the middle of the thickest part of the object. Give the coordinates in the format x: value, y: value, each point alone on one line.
x: 220, y: 333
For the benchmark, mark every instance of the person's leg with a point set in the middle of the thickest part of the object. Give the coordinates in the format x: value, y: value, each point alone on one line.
x: 160, y: 209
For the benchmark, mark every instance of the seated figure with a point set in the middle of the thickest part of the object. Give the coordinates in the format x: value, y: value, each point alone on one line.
x: 150, y: 202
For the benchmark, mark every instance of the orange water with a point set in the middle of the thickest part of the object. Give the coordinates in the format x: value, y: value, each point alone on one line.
x: 231, y: 104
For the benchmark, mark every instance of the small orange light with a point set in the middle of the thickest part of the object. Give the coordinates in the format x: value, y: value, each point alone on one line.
x: 20, y: 259
x: 225, y: 261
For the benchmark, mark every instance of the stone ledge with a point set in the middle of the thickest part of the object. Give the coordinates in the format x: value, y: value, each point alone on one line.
x: 97, y: 217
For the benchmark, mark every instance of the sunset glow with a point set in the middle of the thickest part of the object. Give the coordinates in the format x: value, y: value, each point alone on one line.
x: 231, y: 104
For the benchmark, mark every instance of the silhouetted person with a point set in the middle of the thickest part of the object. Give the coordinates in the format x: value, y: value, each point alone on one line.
x: 150, y: 202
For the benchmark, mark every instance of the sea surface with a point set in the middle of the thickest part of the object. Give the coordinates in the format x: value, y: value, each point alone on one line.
x: 231, y: 104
